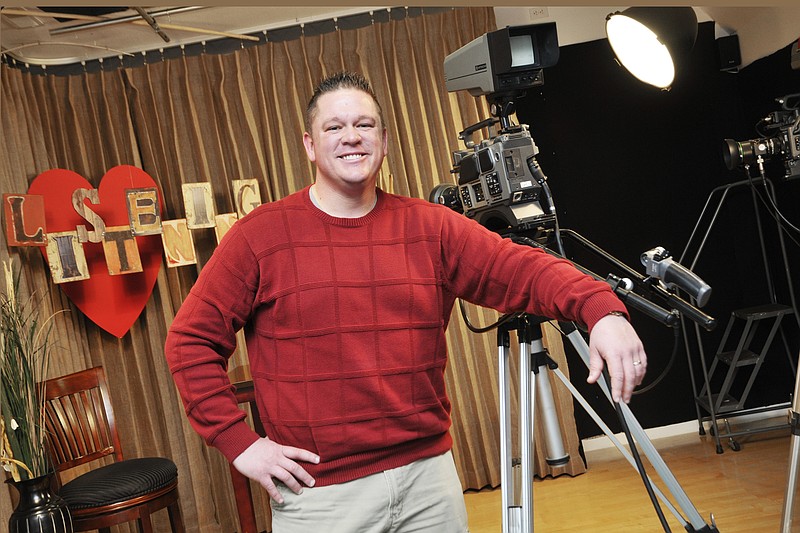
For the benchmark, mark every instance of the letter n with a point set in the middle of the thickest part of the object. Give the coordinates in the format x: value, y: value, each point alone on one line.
x: 178, y: 243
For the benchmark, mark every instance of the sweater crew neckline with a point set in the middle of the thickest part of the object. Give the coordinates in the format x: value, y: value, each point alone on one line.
x: 341, y: 221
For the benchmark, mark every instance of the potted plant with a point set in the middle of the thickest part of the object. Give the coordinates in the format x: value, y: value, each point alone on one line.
x: 24, y: 358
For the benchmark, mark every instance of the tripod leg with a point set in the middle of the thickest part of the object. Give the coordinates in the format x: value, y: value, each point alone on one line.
x: 607, y: 430
x: 554, y: 444
x: 555, y: 454
x: 696, y: 521
x: 517, y: 493
x: 534, y: 385
x: 511, y: 512
x: 791, y: 485
x: 526, y: 413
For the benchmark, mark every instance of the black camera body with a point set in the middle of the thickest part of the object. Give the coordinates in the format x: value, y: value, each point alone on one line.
x: 780, y: 138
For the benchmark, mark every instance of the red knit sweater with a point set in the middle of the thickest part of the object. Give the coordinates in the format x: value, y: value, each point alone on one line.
x: 345, y: 324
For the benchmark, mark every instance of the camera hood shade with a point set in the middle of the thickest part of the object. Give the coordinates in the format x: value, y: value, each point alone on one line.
x: 651, y: 42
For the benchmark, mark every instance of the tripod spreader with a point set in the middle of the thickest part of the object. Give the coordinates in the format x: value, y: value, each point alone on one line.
x: 542, y: 359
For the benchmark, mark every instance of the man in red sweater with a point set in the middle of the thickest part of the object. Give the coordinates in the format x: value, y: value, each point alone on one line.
x: 344, y: 293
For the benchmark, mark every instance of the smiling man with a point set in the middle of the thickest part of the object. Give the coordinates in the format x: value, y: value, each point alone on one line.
x: 347, y: 141
x: 345, y: 292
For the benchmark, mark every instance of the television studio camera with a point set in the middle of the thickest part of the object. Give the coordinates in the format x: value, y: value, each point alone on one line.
x: 502, y: 187
x: 500, y: 184
x: 779, y: 138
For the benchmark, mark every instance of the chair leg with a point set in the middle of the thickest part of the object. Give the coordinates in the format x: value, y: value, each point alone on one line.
x: 175, y: 518
x: 145, y: 525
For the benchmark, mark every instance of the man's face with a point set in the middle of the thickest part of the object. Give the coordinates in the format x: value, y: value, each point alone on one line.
x: 347, y: 141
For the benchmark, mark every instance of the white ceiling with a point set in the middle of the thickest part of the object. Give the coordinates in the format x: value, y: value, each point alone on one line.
x: 39, y: 38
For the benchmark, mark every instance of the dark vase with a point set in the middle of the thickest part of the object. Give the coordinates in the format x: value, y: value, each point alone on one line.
x: 40, y: 509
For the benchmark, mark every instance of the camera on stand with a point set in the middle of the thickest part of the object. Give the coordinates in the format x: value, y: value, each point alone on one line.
x: 500, y: 184
x: 779, y: 138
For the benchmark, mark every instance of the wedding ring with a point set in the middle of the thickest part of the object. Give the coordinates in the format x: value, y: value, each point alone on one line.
x: 637, y: 363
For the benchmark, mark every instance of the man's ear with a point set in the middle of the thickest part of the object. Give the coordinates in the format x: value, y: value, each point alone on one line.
x: 308, y: 142
x: 385, y: 142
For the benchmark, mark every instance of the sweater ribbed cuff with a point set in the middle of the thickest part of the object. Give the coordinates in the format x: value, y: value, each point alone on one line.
x: 234, y: 440
x: 599, y: 305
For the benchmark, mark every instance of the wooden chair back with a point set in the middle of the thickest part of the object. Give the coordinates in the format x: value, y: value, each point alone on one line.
x: 80, y: 419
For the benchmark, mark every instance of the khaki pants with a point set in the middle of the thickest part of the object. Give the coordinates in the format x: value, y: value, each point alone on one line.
x: 424, y: 496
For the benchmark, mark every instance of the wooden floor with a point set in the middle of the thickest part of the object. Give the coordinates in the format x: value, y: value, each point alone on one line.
x: 744, y: 490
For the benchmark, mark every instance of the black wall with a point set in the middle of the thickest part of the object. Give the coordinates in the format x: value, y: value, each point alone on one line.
x: 630, y: 167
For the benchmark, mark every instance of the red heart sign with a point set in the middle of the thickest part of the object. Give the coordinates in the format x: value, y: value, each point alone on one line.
x: 112, y: 302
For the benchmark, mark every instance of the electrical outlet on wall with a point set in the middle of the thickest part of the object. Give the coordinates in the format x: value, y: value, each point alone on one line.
x: 795, y: 58
x: 538, y: 13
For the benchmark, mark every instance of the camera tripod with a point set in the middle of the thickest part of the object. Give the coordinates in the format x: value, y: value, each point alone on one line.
x: 534, y: 385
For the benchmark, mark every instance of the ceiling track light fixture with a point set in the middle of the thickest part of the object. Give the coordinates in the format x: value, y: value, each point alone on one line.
x: 652, y: 42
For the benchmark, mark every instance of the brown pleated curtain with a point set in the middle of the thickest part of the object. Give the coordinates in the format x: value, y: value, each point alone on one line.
x: 222, y: 117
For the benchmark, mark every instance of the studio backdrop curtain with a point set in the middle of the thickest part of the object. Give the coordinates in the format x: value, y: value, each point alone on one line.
x: 217, y: 118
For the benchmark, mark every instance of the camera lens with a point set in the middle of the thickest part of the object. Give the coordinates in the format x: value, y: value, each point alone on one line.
x: 446, y: 195
x: 732, y: 153
x: 736, y: 153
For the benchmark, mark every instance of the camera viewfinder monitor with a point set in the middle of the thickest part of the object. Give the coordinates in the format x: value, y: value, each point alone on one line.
x: 507, y: 60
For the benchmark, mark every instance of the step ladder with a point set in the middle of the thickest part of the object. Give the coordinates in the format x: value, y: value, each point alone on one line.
x: 745, y: 356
